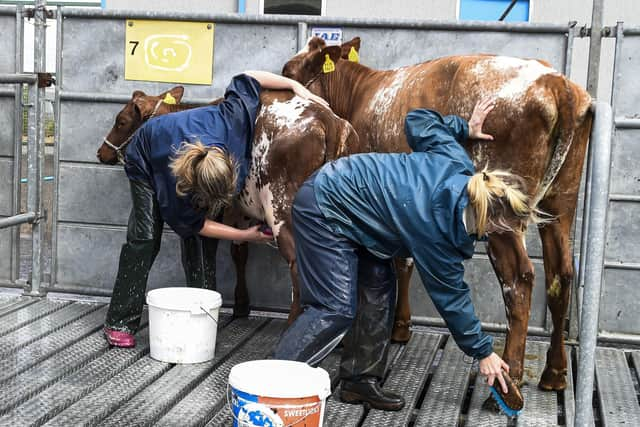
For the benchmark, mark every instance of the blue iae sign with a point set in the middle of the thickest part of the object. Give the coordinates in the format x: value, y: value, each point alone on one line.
x: 331, y: 35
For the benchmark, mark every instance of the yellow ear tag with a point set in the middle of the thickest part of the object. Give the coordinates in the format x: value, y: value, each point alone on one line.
x: 353, y: 55
x: 328, y: 66
x: 168, y: 99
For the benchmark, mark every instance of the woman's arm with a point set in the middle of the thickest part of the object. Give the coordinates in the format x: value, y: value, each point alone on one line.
x: 221, y: 231
x: 273, y: 81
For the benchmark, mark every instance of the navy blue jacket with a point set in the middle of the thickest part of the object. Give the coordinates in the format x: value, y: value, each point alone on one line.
x: 413, y: 205
x: 228, y: 125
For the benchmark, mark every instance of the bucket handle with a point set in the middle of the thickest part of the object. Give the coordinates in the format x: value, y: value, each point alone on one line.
x: 209, y: 314
x: 228, y: 394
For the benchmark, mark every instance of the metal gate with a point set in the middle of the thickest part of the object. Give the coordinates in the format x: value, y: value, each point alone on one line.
x: 10, y: 140
x: 621, y: 289
x: 93, y: 200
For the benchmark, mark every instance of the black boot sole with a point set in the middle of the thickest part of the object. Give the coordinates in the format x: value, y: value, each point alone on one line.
x: 356, y: 398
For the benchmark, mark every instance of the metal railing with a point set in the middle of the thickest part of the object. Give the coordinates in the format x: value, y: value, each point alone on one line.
x: 35, y: 136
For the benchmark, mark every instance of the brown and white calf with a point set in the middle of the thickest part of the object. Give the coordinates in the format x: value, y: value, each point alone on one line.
x: 541, y: 124
x: 293, y: 137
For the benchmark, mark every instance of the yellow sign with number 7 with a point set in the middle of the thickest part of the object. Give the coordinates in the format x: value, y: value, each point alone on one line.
x: 169, y: 51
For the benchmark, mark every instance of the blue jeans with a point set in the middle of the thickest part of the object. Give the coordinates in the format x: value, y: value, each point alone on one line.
x: 345, y: 292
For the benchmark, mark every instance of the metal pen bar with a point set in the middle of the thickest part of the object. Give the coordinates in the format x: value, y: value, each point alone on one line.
x: 634, y: 266
x: 8, y: 10
x: 114, y: 98
x: 318, y: 20
x: 56, y: 147
x: 624, y: 197
x: 592, y: 87
x: 17, y: 143
x: 18, y: 219
x: 302, y: 35
x: 486, y: 326
x: 595, y: 45
x: 632, y: 31
x: 601, y: 152
x: 618, y: 338
x: 627, y: 123
x: 36, y: 145
x: 18, y: 78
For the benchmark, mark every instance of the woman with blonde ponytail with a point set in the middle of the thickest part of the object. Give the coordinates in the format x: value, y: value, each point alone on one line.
x: 184, y: 168
x: 357, y: 213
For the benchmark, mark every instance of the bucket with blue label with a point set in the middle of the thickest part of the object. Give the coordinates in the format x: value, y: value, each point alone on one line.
x: 278, y: 393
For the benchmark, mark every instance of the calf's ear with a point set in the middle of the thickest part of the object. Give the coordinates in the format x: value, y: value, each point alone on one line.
x: 137, y: 94
x: 315, y: 61
x: 346, y: 47
x: 144, y: 105
x: 316, y: 43
x: 177, y: 93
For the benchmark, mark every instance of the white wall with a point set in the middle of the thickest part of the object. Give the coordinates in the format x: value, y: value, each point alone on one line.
x: 411, y: 9
x: 190, y: 6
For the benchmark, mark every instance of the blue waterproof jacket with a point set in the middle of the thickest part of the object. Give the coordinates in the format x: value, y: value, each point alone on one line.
x: 413, y: 205
x: 228, y: 125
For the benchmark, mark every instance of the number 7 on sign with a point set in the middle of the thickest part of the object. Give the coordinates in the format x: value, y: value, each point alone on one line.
x: 135, y: 44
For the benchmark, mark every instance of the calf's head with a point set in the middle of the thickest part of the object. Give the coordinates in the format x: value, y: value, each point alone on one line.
x: 309, y: 64
x: 140, y: 108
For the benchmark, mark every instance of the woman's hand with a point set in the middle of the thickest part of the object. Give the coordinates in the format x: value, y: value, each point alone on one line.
x: 480, y: 112
x: 253, y: 234
x: 305, y: 93
x: 492, y: 367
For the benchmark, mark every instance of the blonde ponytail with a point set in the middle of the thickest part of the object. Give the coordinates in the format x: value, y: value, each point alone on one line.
x: 205, y: 173
x: 497, y: 196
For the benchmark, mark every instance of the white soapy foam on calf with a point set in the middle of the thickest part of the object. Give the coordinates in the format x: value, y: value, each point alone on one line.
x: 384, y: 97
x: 287, y: 113
x: 258, y: 202
x: 514, y: 75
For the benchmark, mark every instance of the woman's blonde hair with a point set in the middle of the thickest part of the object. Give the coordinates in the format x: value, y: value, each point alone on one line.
x: 499, y: 196
x: 207, y: 174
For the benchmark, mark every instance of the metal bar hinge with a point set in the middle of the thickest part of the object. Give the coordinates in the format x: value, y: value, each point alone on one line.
x: 31, y: 13
x: 604, y: 32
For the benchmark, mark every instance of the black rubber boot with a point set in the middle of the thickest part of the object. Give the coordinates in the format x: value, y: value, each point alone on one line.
x: 366, y: 345
x: 368, y: 390
x: 144, y: 234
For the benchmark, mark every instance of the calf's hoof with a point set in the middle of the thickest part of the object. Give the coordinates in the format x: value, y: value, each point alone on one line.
x: 401, y: 332
x: 241, y: 310
x: 491, y: 405
x: 553, y: 379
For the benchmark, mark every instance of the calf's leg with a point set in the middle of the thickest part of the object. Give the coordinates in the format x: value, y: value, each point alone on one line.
x: 240, y: 254
x: 516, y: 276
x: 401, y: 332
x: 558, y: 270
x: 287, y: 248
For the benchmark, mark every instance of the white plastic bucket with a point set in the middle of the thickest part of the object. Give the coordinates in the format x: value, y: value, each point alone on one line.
x: 278, y: 393
x: 183, y: 324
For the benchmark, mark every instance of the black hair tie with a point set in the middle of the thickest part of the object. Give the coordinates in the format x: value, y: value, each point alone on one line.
x: 485, y: 177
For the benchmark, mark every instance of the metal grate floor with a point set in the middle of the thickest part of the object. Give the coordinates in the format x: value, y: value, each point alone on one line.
x: 57, y: 370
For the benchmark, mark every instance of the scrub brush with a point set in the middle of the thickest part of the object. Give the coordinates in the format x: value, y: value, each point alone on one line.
x: 511, y: 403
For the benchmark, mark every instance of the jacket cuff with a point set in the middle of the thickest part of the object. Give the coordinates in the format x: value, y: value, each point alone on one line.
x: 485, y: 350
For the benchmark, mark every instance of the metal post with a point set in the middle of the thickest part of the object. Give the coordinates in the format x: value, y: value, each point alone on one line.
x: 17, y: 141
x: 592, y: 88
x: 302, y: 35
x: 601, y: 152
x: 36, y: 144
x: 594, y: 47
